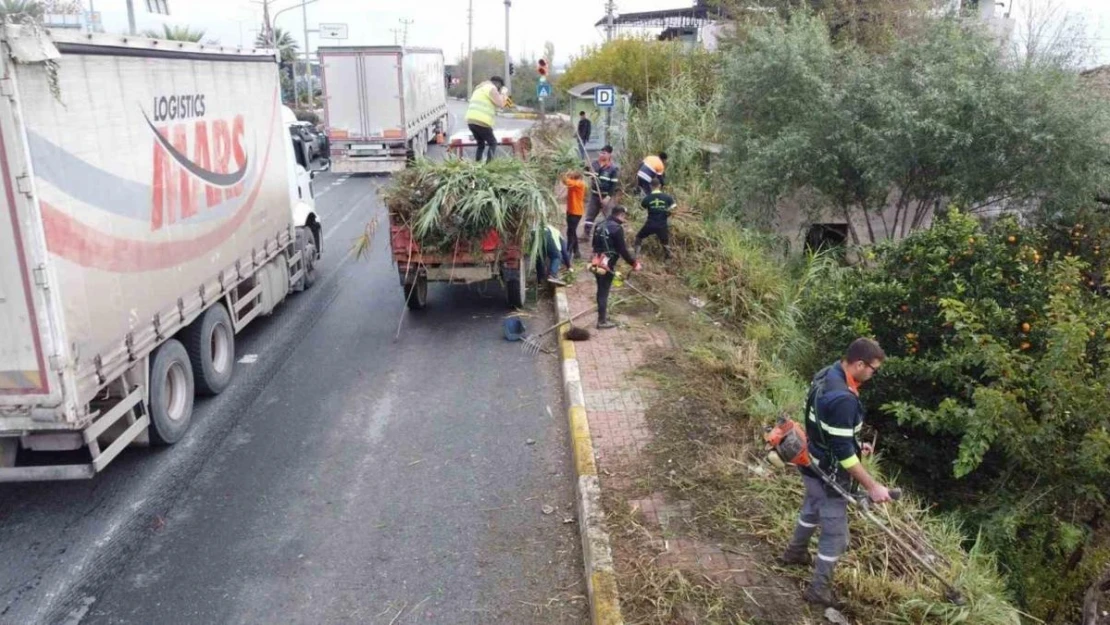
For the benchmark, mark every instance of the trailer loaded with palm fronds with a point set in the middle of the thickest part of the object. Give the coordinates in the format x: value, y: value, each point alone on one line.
x: 462, y: 222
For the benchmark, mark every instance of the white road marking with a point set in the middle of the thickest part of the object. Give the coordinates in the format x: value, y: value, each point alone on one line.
x: 333, y: 229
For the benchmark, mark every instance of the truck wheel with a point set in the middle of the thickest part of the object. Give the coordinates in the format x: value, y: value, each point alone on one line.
x: 516, y: 291
x: 416, y: 294
x: 306, y: 243
x: 210, y: 342
x: 171, y: 393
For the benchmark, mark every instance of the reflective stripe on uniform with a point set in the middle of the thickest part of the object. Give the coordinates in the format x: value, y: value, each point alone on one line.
x: 848, y: 463
x: 646, y: 173
x: 826, y: 558
x: 845, y: 432
x: 482, y: 109
x: 806, y: 525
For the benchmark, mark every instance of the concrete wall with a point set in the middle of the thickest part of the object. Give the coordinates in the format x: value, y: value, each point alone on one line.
x: 795, y: 214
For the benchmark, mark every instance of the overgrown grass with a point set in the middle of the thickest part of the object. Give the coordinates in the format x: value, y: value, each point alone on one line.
x: 678, y: 120
x: 733, y: 376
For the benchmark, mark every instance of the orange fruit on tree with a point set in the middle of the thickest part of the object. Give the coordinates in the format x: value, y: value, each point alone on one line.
x: 1025, y: 327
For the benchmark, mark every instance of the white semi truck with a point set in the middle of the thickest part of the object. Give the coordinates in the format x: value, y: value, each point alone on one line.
x: 382, y: 105
x: 152, y: 207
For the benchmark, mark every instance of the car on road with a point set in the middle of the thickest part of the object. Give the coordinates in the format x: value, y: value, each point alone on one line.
x: 310, y: 141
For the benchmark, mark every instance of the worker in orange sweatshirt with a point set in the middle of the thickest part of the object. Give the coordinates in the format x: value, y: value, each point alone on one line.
x: 651, y: 169
x: 576, y: 207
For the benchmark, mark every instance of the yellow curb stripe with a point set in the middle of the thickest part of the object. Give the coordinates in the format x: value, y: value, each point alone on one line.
x: 605, y: 608
x: 568, y: 351
x: 604, y: 596
x: 583, y: 445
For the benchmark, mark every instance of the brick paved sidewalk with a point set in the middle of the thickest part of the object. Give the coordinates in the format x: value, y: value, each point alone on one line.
x: 616, y: 403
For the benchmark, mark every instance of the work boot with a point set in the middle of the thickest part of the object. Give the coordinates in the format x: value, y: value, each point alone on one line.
x: 796, y: 557
x: 556, y: 281
x: 636, y: 250
x: 606, y: 324
x: 822, y: 596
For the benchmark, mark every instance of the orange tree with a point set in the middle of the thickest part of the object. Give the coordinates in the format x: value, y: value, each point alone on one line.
x: 993, y: 399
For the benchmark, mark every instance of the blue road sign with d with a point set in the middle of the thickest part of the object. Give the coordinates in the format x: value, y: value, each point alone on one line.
x: 543, y: 90
x: 605, y: 97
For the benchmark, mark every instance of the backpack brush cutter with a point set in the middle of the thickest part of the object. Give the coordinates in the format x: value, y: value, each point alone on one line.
x: 787, y: 444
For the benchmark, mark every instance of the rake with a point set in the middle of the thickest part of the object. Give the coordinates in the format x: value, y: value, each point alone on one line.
x: 532, y: 344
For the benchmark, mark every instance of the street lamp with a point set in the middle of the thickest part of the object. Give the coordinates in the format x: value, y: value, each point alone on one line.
x: 273, y: 20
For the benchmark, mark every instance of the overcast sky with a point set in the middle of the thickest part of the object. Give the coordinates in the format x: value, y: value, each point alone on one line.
x: 569, y: 24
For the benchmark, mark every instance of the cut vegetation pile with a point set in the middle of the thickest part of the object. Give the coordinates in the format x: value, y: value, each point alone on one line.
x: 458, y: 202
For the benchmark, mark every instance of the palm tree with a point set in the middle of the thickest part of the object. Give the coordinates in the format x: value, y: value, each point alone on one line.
x: 175, y: 33
x: 283, y: 40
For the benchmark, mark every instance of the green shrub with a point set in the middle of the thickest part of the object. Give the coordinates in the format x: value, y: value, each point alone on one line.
x: 993, y: 399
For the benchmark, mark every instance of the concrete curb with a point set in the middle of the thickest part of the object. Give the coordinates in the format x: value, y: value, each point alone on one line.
x: 601, y: 580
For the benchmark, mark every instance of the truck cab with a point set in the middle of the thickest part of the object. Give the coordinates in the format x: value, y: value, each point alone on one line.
x: 302, y: 193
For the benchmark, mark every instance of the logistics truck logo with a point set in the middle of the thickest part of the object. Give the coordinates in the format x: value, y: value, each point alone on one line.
x: 180, y: 129
x: 202, y: 176
x: 177, y: 178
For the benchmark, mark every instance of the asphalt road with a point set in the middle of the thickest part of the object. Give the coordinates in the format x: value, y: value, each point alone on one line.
x: 347, y: 476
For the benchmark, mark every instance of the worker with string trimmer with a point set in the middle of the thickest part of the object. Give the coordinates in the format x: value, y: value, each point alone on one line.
x: 834, y: 418
x: 603, y: 192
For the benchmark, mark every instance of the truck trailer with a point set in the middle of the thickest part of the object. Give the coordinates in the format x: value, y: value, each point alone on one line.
x: 383, y: 105
x: 152, y: 207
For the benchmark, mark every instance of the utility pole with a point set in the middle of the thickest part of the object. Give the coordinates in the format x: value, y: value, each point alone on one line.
x: 508, y: 72
x: 470, y: 50
x: 131, y: 18
x: 610, y: 7
x: 405, y: 31
x: 267, y: 28
x: 307, y: 58
x: 396, y: 36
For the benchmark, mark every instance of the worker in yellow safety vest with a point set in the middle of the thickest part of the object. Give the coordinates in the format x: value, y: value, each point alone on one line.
x: 484, y: 102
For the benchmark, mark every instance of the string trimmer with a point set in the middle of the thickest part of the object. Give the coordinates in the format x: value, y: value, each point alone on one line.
x: 598, y: 269
x: 787, y: 444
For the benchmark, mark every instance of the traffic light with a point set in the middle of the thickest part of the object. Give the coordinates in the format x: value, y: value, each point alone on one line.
x: 541, y: 68
x: 512, y: 68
